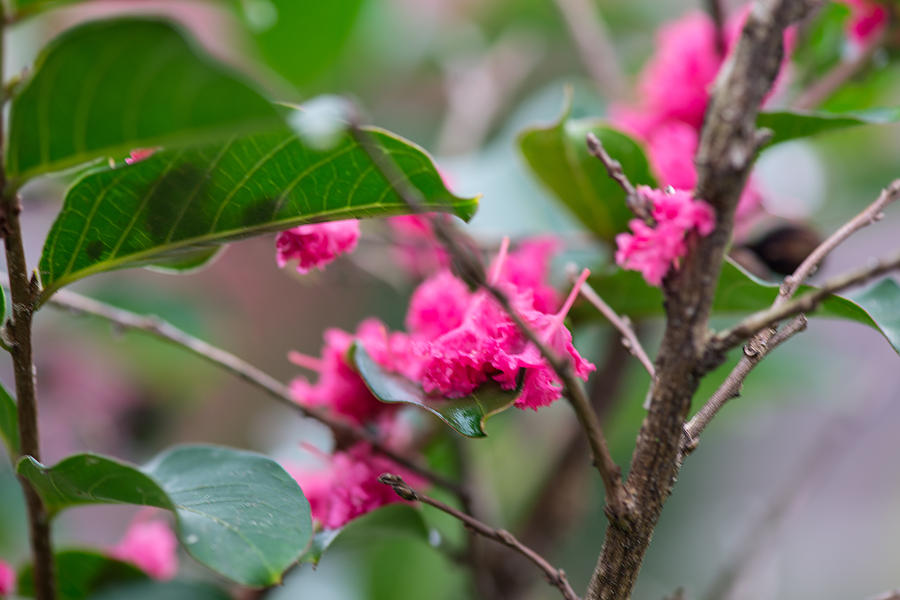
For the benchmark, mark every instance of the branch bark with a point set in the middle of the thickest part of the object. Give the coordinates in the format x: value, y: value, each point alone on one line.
x: 556, y: 577
x: 728, y: 145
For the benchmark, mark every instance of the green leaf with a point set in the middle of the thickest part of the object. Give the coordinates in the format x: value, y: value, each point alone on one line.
x: 79, y: 573
x: 393, y: 520
x: 558, y: 155
x: 237, y: 512
x: 107, y: 87
x: 169, y: 590
x: 738, y: 292
x: 9, y: 422
x: 466, y: 415
x: 299, y: 40
x: 179, y: 202
x: 791, y: 125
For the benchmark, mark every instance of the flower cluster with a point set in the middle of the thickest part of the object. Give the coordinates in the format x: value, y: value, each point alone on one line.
x: 868, y: 19
x: 151, y: 546
x: 456, y: 340
x: 674, y: 90
x: 314, y: 246
x: 7, y: 579
x: 653, y: 250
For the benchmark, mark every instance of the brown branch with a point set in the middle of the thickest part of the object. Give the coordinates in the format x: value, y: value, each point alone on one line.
x: 728, y: 146
x: 555, y: 576
x: 716, y: 11
x: 763, y: 319
x: 840, y: 74
x: 592, y: 40
x: 165, y: 331
x: 468, y: 265
x: 635, y: 202
x: 629, y: 338
x: 731, y: 387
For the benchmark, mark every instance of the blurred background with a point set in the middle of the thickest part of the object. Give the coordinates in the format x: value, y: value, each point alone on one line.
x: 462, y: 78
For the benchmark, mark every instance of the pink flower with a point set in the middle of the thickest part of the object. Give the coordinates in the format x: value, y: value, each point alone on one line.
x: 527, y: 269
x: 7, y: 578
x: 437, y: 305
x: 416, y: 247
x: 314, y: 246
x: 653, y: 250
x: 348, y: 487
x: 150, y: 545
x: 868, y: 20
x: 139, y: 154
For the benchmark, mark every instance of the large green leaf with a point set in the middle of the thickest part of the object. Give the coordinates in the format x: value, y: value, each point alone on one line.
x: 558, y: 155
x: 183, y: 201
x: 104, y: 88
x: 791, y: 125
x: 9, y: 422
x: 79, y: 573
x: 237, y: 512
x: 466, y: 415
x: 738, y: 292
x: 157, y: 590
x: 299, y: 40
x: 393, y: 520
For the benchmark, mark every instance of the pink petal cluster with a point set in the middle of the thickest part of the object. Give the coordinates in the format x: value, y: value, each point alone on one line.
x: 868, y: 19
x: 314, y: 246
x: 653, y: 250
x: 348, y: 486
x: 674, y: 90
x: 416, y: 247
x: 139, y: 154
x: 7, y: 578
x: 150, y: 545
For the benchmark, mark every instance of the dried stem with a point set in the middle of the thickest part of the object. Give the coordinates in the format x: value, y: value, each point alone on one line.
x: 592, y: 40
x: 731, y: 387
x: 555, y: 576
x: 163, y: 330
x: 468, y: 265
x: 635, y: 202
x: 629, y: 338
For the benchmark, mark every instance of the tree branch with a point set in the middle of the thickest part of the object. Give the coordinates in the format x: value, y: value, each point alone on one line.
x: 758, y: 321
x: 629, y: 338
x: 160, y: 329
x: 555, y: 576
x: 592, y: 40
x: 468, y: 265
x: 840, y: 74
x: 635, y: 202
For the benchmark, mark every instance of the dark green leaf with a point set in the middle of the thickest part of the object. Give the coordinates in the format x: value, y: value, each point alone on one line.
x: 237, y: 512
x: 791, y: 125
x: 393, y: 520
x: 739, y: 292
x: 9, y: 422
x: 299, y: 40
x: 559, y: 157
x: 466, y: 415
x: 179, y: 202
x: 107, y: 87
x: 162, y: 590
x: 81, y: 572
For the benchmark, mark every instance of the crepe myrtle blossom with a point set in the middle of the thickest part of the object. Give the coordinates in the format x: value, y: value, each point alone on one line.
x: 7, y: 578
x: 150, y: 545
x: 487, y: 345
x: 868, y: 19
x: 653, y: 250
x: 314, y: 246
x: 416, y: 247
x: 347, y: 486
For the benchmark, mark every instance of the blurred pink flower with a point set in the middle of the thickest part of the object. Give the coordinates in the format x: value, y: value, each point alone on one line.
x: 527, y: 268
x: 416, y: 247
x: 348, y: 486
x: 314, y: 246
x: 139, y: 154
x: 7, y: 578
x: 653, y: 250
x: 150, y: 545
x: 867, y: 20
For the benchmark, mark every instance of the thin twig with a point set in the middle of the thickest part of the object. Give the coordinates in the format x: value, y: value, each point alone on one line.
x: 635, y: 202
x: 471, y: 270
x: 731, y: 387
x: 592, y: 40
x: 718, y: 16
x: 165, y: 331
x: 623, y: 324
x: 767, y: 318
x: 840, y: 74
x: 556, y: 577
